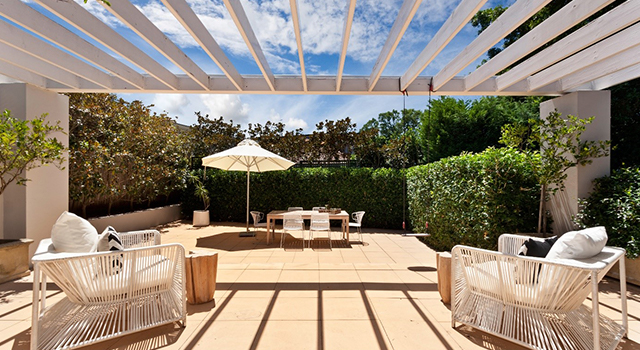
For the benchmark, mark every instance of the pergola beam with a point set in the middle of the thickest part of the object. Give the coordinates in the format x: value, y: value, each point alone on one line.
x: 513, y: 17
x: 609, y: 47
x: 126, y: 12
x: 74, y: 14
x: 405, y: 15
x: 612, y: 79
x: 242, y: 22
x: 296, y: 28
x: 346, y: 33
x: 454, y: 24
x: 20, y: 40
x: 24, y: 75
x: 611, y: 22
x: 626, y: 59
x: 190, y: 21
x: 34, y: 21
x: 561, y: 21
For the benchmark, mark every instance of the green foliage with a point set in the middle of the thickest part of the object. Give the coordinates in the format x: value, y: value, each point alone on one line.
x: 25, y: 145
x: 120, y: 152
x: 455, y: 126
x: 376, y: 191
x: 625, y: 124
x: 561, y: 148
x: 392, y: 139
x: 199, y: 189
x: 615, y: 204
x: 210, y: 136
x: 474, y: 198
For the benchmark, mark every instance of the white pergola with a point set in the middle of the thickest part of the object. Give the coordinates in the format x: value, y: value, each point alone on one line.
x: 599, y: 55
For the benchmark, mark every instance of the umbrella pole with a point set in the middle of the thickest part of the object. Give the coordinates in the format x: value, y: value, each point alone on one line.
x: 248, y: 199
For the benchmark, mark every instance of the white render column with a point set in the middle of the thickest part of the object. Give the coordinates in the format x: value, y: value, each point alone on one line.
x: 583, y: 104
x: 30, y: 211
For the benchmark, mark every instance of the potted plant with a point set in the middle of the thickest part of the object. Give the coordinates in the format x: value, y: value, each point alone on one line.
x: 557, y: 141
x: 200, y: 217
x: 24, y: 145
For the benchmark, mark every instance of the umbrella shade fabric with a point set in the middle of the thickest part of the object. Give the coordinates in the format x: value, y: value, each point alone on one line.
x: 247, y: 156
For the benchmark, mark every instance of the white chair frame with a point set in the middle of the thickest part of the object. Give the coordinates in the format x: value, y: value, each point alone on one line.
x: 292, y: 221
x: 257, y: 217
x: 357, y: 217
x: 107, y: 294
x: 295, y: 209
x: 320, y: 222
x: 535, y: 302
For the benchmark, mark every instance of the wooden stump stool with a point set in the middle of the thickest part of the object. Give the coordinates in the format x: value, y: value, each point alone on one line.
x: 443, y: 263
x: 202, y: 268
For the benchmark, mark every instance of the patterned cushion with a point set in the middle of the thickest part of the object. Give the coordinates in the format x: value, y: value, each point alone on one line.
x: 109, y: 240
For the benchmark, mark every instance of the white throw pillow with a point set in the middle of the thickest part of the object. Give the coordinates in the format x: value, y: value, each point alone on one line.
x: 73, y: 234
x: 579, y: 244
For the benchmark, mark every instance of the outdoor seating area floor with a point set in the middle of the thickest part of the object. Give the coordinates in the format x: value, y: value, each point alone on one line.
x: 378, y: 295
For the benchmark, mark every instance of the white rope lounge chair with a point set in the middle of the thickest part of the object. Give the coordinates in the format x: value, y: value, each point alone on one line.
x: 535, y: 302
x: 107, y: 294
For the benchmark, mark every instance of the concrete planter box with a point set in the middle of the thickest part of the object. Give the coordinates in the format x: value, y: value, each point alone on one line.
x: 14, y: 258
x: 632, y: 269
x: 138, y: 220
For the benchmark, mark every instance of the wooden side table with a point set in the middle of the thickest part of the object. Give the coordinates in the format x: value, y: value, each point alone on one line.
x: 443, y: 264
x: 201, y: 270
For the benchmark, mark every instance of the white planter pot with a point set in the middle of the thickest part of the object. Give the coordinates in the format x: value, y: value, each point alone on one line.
x: 200, y: 218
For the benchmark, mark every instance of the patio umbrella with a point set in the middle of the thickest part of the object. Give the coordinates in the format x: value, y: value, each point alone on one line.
x: 247, y: 156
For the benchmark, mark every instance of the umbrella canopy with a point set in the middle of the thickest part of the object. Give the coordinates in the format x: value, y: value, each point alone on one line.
x: 247, y: 156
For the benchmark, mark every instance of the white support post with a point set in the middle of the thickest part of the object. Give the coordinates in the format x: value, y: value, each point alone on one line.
x: 595, y: 310
x: 579, y: 183
x: 623, y: 295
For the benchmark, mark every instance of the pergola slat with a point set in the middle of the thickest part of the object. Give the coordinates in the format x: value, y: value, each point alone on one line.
x: 126, y: 12
x: 454, y: 24
x: 242, y: 22
x: 37, y: 66
x: 30, y: 45
x: 346, y: 33
x: 405, y: 15
x: 612, y: 79
x: 87, y: 23
x: 24, y: 75
x: 611, y: 46
x: 626, y: 59
x: 619, y: 18
x: 296, y: 28
x: 190, y: 21
x: 568, y: 16
x: 514, y: 16
x: 34, y: 21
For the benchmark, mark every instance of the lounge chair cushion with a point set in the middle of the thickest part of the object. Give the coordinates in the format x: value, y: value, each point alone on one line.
x: 581, y: 244
x: 109, y: 240
x: 73, y: 234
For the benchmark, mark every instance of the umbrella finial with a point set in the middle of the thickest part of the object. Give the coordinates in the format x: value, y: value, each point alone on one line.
x: 248, y: 142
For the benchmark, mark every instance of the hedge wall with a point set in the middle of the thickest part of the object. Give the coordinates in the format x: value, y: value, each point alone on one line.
x: 376, y: 191
x: 615, y: 204
x: 473, y: 198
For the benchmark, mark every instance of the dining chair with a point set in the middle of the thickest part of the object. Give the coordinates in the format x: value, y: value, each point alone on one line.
x: 357, y: 217
x: 318, y: 208
x: 320, y: 222
x: 292, y: 221
x: 257, y: 217
x: 295, y: 209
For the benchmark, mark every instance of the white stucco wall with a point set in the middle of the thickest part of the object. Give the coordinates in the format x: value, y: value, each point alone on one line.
x: 583, y: 104
x: 30, y: 211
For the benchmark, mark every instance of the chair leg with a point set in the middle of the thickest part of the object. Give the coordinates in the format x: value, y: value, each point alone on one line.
x: 329, y: 236
x: 282, y: 238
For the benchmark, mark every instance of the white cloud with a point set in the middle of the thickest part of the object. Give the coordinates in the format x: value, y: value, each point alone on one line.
x: 230, y: 107
x: 173, y: 104
x: 295, y: 123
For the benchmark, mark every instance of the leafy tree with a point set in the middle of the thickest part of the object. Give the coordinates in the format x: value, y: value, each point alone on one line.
x: 25, y: 145
x: 561, y: 149
x: 455, y: 126
x: 393, y: 138
x: 210, y: 136
x: 332, y: 140
x: 273, y: 137
x: 369, y: 146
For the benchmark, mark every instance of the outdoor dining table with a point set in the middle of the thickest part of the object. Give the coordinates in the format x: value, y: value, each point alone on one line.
x: 274, y: 215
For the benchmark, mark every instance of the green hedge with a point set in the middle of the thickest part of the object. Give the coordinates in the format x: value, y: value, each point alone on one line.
x: 376, y: 191
x: 473, y: 198
x: 615, y: 204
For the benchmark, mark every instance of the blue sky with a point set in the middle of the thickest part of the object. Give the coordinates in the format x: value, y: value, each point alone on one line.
x: 322, y: 24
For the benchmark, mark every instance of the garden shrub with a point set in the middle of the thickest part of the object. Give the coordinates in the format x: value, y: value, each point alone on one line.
x: 376, y: 191
x: 615, y: 204
x: 472, y: 199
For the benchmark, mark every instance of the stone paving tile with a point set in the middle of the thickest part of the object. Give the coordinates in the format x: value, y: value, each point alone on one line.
x: 378, y: 295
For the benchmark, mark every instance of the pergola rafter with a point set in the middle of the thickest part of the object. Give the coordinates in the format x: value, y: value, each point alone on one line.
x: 40, y: 51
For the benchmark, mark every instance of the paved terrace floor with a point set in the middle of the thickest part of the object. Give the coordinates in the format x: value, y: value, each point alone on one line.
x: 380, y: 295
